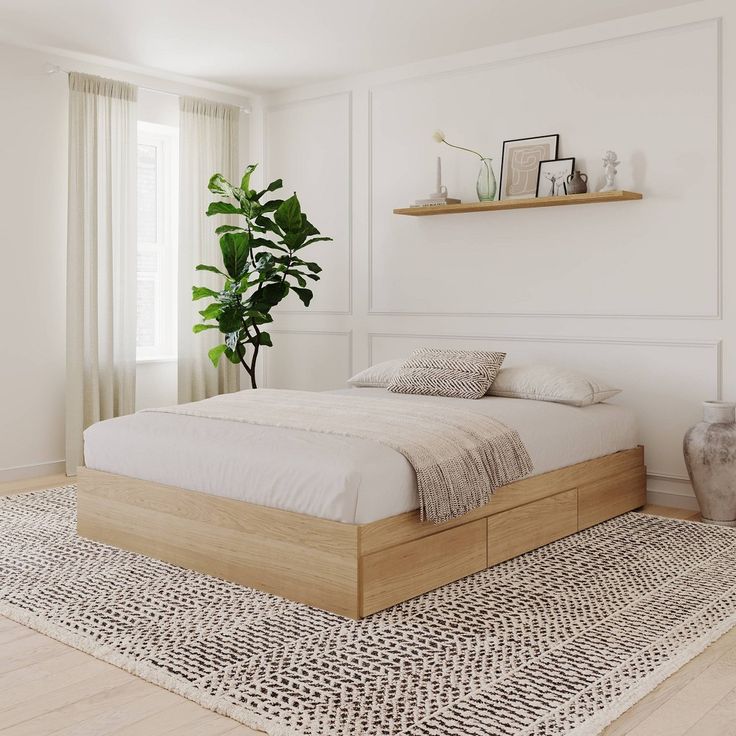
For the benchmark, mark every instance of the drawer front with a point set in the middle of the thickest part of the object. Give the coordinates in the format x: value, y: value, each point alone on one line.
x: 612, y: 496
x: 533, y: 525
x: 407, y: 570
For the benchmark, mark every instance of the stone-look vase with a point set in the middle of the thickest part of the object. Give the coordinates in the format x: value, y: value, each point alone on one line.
x: 577, y: 183
x: 710, y: 456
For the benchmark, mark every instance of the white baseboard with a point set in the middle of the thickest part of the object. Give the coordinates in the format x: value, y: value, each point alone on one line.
x: 671, y: 491
x: 673, y: 500
x: 23, y: 472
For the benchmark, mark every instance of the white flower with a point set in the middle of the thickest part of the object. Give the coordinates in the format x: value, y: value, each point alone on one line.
x: 439, y: 136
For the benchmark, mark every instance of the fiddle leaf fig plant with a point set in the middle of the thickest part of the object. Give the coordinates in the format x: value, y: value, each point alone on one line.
x: 261, y: 263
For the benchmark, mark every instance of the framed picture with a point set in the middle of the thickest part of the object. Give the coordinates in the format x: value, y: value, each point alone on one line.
x: 553, y: 175
x: 520, y: 159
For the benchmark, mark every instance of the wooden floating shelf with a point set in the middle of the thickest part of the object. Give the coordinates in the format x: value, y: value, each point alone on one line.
x: 519, y: 204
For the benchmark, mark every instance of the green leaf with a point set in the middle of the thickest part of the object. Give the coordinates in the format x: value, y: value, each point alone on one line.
x: 313, y: 240
x: 211, y: 311
x: 218, y: 184
x: 288, y: 216
x: 202, y: 292
x: 203, y: 267
x: 274, y: 185
x: 229, y: 229
x: 234, y: 355
x: 258, y: 318
x: 294, y: 240
x: 235, y: 249
x: 313, y: 267
x: 202, y: 328
x: 216, y: 353
x: 307, y: 227
x: 265, y: 242
x: 268, y: 225
x: 269, y: 296
x: 304, y: 294
x: 265, y: 339
x: 245, y: 181
x: 271, y: 206
x: 230, y: 318
x: 222, y: 208
x: 297, y: 276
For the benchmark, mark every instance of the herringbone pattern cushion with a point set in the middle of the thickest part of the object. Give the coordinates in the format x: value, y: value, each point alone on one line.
x: 462, y: 374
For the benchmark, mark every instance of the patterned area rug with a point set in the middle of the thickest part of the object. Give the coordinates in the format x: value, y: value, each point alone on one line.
x: 561, y: 640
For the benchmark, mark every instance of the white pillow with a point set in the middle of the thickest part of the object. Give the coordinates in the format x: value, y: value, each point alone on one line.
x: 377, y: 376
x: 549, y: 383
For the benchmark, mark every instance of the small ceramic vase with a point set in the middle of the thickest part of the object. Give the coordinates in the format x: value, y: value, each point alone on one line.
x: 577, y: 183
x: 710, y: 456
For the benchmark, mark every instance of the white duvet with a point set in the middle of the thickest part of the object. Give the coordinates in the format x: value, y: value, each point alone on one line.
x: 340, y: 478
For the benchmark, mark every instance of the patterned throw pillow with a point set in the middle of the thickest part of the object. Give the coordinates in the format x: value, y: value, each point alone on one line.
x: 462, y: 374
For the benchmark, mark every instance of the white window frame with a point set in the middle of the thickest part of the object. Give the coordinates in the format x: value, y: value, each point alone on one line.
x: 165, y: 139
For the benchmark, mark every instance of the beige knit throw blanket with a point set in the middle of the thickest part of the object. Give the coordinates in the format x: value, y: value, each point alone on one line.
x: 460, y: 456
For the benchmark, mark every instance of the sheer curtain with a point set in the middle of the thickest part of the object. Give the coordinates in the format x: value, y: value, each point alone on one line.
x: 101, y: 256
x: 208, y: 144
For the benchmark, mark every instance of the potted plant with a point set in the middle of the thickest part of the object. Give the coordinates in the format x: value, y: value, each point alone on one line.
x: 262, y: 264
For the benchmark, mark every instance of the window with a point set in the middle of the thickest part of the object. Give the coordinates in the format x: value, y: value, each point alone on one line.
x: 158, y: 159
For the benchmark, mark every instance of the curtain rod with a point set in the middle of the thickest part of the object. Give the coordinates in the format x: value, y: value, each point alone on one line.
x: 52, y: 69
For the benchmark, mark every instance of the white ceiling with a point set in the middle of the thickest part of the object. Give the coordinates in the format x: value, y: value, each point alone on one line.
x: 273, y: 44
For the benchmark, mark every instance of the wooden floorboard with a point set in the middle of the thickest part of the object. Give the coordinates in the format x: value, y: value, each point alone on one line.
x: 49, y: 688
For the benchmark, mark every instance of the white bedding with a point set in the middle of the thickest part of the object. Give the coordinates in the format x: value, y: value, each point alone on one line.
x: 340, y: 478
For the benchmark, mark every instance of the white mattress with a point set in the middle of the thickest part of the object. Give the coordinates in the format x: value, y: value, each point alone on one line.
x: 341, y: 478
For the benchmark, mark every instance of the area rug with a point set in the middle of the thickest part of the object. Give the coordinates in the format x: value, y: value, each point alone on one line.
x: 559, y: 641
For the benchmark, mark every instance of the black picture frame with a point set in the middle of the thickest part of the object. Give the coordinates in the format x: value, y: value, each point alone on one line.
x: 502, y: 176
x: 571, y: 159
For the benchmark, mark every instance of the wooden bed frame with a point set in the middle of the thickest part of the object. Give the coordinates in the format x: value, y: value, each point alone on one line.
x: 352, y: 569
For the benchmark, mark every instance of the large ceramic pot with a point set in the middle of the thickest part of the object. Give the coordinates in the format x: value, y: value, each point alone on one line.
x: 710, y: 456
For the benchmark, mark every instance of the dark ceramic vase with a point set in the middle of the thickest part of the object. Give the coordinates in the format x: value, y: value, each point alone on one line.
x: 577, y: 183
x: 710, y: 456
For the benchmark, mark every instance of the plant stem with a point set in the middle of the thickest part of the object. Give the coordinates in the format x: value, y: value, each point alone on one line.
x: 462, y: 148
x: 250, y: 370
x: 256, y: 348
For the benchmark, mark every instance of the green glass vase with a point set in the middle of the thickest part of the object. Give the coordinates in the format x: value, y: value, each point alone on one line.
x: 486, y: 184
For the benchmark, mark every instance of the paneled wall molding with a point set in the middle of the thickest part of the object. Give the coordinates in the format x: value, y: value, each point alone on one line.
x: 347, y: 335
x: 652, y: 342
x: 717, y: 244
x: 270, y: 110
x: 631, y: 292
x: 639, y: 382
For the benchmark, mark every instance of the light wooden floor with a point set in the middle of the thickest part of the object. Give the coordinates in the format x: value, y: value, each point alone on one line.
x: 49, y: 688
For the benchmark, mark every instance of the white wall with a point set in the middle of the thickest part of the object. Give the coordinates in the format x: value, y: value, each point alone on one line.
x: 33, y: 189
x: 632, y: 292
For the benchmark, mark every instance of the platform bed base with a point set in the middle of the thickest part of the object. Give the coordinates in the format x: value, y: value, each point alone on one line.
x: 352, y: 569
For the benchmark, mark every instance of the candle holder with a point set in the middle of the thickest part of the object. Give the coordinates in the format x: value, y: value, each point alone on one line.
x: 440, y: 195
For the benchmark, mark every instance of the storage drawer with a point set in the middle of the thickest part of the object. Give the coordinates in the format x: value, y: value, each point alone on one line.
x: 612, y: 496
x: 527, y: 527
x: 407, y: 570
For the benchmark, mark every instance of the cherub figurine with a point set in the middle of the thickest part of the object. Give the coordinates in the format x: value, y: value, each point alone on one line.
x: 610, y: 162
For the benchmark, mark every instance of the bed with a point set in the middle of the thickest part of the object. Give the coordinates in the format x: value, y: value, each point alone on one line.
x: 332, y: 521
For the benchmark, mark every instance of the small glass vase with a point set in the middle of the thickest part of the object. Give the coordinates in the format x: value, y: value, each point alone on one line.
x: 486, y: 185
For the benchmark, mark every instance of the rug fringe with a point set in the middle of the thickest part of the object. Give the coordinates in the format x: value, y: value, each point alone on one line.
x: 147, y: 673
